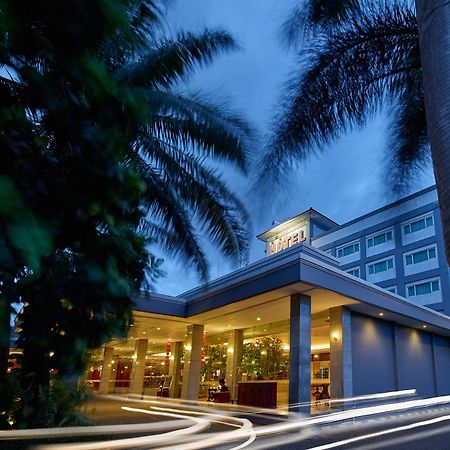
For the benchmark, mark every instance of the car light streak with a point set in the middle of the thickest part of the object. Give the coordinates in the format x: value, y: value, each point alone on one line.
x: 200, y: 425
x: 382, y: 433
x: 188, y: 431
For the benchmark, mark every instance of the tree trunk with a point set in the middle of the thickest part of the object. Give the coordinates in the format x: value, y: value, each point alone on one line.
x: 433, y: 19
x: 5, y: 330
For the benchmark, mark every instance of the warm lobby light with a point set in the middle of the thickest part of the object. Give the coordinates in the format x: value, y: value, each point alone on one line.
x: 320, y: 347
x: 335, y: 336
x: 188, y: 348
x: 258, y: 318
x: 230, y: 350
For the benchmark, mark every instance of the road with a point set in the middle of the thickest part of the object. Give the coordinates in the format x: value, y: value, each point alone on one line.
x: 160, y: 423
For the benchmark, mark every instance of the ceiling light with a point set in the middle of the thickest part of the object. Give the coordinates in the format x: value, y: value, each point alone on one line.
x: 258, y: 318
x: 381, y: 314
x: 424, y: 326
x: 158, y: 329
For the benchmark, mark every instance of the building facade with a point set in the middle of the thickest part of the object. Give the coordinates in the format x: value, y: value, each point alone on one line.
x: 399, y: 247
x: 312, y: 320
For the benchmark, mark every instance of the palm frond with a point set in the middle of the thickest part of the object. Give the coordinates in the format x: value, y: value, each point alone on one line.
x: 201, y: 192
x: 408, y: 147
x: 201, y: 127
x: 173, y: 60
x: 312, y: 16
x: 349, y: 75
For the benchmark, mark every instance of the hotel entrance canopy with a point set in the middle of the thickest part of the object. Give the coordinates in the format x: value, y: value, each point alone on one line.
x: 264, y: 289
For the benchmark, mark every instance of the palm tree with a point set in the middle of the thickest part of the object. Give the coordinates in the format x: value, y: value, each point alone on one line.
x: 178, y: 146
x: 357, y: 58
x: 103, y: 148
x: 433, y: 19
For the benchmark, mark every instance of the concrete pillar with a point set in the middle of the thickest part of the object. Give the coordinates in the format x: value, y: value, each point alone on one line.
x: 106, y: 370
x: 192, y: 362
x: 234, y: 355
x: 138, y: 369
x: 300, y: 353
x: 341, y: 381
x: 175, y: 367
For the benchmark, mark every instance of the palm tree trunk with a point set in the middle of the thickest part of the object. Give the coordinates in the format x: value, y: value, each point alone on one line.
x: 433, y: 19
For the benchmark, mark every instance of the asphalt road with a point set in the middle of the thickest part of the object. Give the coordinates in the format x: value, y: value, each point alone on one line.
x: 370, y: 434
x: 418, y: 429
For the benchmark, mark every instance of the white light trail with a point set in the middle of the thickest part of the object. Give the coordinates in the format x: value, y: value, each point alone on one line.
x: 382, y: 433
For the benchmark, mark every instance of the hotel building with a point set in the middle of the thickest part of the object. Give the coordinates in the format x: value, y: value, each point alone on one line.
x: 330, y: 311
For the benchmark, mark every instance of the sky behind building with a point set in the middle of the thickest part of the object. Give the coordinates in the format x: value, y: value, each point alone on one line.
x: 346, y: 182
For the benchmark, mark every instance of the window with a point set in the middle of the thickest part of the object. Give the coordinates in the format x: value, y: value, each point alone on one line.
x: 423, y: 288
x: 379, y: 239
x: 420, y: 256
x: 348, y: 250
x: 392, y: 289
x: 419, y: 224
x: 381, y: 266
x: 354, y: 272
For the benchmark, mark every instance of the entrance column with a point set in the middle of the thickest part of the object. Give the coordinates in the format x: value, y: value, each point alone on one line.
x: 300, y: 353
x: 106, y: 370
x: 341, y: 383
x: 192, y: 362
x: 138, y: 368
x: 234, y: 354
x: 174, y: 370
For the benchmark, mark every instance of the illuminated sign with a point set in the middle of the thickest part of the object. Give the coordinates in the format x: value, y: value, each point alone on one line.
x: 286, y: 241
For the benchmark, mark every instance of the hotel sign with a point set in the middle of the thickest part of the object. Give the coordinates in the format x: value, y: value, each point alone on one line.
x: 286, y: 241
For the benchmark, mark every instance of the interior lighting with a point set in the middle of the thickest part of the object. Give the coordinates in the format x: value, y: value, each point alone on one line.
x: 188, y: 348
x: 285, y: 347
x: 381, y: 314
x: 424, y: 326
x: 158, y: 328
x: 230, y: 350
x: 335, y: 336
x: 258, y: 318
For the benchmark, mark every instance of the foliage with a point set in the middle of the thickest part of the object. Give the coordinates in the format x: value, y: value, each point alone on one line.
x: 263, y: 357
x: 101, y: 150
x: 215, y: 359
x: 356, y: 59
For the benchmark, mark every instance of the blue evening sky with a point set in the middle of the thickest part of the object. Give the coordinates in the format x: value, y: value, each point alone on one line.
x: 346, y: 182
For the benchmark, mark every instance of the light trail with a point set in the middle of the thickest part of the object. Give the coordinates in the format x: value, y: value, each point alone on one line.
x: 382, y: 433
x: 188, y: 431
x: 200, y: 425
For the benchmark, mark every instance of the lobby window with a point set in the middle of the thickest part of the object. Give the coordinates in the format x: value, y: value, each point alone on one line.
x: 419, y: 224
x: 348, y: 250
x: 423, y: 288
x: 380, y: 238
x: 420, y: 256
x: 354, y: 272
x: 381, y: 266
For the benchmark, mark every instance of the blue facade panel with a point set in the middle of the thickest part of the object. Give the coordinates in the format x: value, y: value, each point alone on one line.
x: 372, y: 356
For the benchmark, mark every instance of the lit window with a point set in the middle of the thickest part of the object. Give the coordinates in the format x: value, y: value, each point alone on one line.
x: 381, y: 266
x: 348, y: 250
x: 418, y: 225
x: 379, y: 239
x: 420, y: 256
x: 423, y: 288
